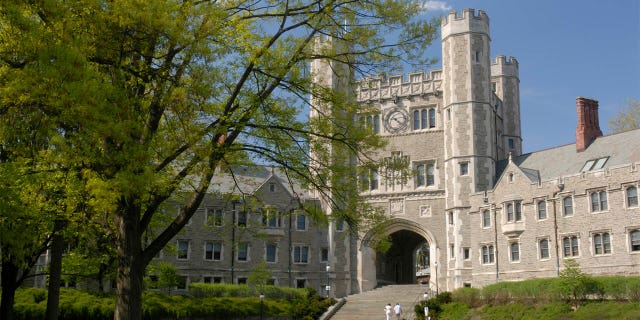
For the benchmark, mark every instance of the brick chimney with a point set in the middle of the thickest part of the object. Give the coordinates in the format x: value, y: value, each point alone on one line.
x: 588, y: 124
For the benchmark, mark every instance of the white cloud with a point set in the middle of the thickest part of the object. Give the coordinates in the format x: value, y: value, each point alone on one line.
x: 435, y: 6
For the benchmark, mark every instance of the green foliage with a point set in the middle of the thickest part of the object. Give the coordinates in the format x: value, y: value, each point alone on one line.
x: 468, y: 296
x: 575, y: 285
x: 166, y: 276
x: 238, y: 290
x: 31, y: 305
x: 434, y: 304
x: 259, y: 276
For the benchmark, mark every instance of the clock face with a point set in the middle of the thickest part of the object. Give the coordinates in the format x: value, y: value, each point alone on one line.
x: 396, y: 120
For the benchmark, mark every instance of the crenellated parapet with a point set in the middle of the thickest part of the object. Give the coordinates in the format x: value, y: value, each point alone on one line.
x: 383, y: 87
x: 505, y: 66
x: 469, y: 21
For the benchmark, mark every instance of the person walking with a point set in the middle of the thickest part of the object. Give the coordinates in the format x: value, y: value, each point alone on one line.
x: 387, y: 311
x: 398, y: 310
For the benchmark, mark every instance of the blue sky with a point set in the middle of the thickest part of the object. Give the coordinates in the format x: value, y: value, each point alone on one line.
x: 566, y: 49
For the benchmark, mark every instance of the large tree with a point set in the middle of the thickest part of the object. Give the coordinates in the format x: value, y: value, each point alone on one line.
x: 628, y: 118
x: 149, y: 98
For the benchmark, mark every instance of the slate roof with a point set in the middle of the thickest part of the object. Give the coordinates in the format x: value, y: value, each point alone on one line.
x: 248, y: 179
x: 621, y: 148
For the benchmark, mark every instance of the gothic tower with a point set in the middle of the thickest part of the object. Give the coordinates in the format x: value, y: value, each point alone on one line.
x: 505, y: 84
x: 469, y: 125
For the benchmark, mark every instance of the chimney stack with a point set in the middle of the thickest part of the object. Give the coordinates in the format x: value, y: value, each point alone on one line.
x: 588, y: 124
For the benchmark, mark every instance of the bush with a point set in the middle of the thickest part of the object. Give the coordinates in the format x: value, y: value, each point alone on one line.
x: 434, y: 304
x: 202, y: 290
x: 468, y: 296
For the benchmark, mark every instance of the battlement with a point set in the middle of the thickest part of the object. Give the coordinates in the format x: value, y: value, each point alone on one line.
x: 504, y: 66
x: 503, y: 60
x: 466, y: 15
x: 382, y: 87
x: 469, y: 21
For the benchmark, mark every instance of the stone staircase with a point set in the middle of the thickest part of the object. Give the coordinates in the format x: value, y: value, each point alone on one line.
x: 370, y: 305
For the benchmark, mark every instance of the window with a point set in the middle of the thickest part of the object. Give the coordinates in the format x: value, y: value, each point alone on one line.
x: 241, y: 219
x: 243, y: 251
x: 486, y: 219
x: 368, y: 179
x: 598, y: 201
x: 543, y: 246
x: 634, y: 238
x: 514, y: 250
x: 425, y: 174
x: 477, y: 56
x: 271, y: 282
x: 271, y: 218
x: 601, y: 243
x: 570, y: 246
x: 594, y: 164
x: 271, y: 250
x: 542, y: 210
x: 514, y: 211
x: 214, y: 217
x: 452, y: 251
x: 210, y: 279
x: 567, y: 206
x: 301, y: 254
x: 241, y: 280
x: 466, y: 252
x: 301, y: 283
x: 301, y: 222
x: 183, y: 249
x: 272, y: 187
x: 424, y: 118
x: 371, y: 121
x: 213, y: 251
x: 632, y: 197
x: 324, y: 254
x: 488, y: 255
x: 464, y: 168
x: 450, y: 218
x: 512, y: 144
x: 339, y: 225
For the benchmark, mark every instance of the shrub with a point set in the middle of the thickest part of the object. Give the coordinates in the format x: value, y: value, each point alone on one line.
x: 467, y: 296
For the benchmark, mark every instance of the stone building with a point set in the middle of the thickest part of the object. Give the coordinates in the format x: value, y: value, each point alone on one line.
x: 473, y: 211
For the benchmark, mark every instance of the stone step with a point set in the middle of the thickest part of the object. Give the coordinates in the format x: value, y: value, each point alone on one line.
x: 370, y: 304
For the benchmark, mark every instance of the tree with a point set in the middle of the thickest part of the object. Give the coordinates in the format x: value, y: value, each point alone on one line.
x: 628, y: 118
x: 149, y: 98
x: 575, y: 285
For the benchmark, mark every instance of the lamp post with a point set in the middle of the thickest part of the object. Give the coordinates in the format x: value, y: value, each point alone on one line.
x: 436, y: 273
x: 328, y: 286
x: 261, y: 305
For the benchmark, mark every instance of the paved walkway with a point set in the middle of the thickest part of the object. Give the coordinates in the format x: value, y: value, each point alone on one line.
x: 370, y: 305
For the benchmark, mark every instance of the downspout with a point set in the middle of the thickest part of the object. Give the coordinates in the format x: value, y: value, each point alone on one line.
x: 495, y: 238
x: 233, y: 239
x: 555, y: 228
x: 290, y: 248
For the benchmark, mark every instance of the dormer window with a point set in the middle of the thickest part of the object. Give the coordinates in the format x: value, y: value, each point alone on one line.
x: 594, y: 164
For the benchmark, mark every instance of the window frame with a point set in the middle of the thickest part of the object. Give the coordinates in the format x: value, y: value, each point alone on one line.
x: 487, y: 254
x: 573, y: 246
x: 464, y: 168
x: 214, y: 217
x: 179, y: 250
x: 214, y: 244
x: 541, y: 256
x: 304, y: 217
x: 541, y: 209
x: 631, y: 233
x: 271, y: 218
x: 601, y: 243
x: 275, y: 252
x: 598, y: 200
x: 299, y: 252
x: 486, y: 221
x: 565, y: 206
x: 246, y: 247
x: 514, y: 252
x: 628, y: 198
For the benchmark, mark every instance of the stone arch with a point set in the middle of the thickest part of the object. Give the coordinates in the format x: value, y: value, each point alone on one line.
x: 368, y: 275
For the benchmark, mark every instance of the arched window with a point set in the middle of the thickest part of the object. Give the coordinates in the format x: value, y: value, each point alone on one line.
x: 632, y: 197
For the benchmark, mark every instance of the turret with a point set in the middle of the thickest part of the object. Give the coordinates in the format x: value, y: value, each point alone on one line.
x: 505, y: 84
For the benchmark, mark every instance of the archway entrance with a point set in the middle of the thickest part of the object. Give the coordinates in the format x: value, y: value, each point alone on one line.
x: 407, y: 261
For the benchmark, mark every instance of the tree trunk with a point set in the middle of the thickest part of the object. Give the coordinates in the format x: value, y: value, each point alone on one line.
x: 130, y: 268
x: 55, y: 271
x: 9, y: 278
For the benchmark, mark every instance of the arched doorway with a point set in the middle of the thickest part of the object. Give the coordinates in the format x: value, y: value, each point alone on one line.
x: 404, y: 262
x: 410, y: 258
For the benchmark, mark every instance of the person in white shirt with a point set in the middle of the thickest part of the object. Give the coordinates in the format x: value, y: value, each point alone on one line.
x: 398, y: 310
x: 387, y: 311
